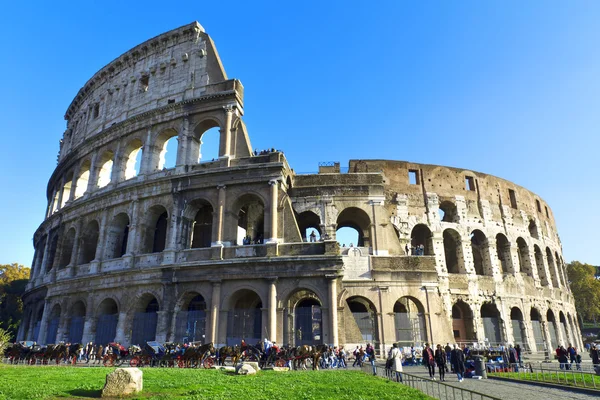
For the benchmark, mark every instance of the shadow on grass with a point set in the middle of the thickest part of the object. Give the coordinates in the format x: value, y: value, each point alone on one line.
x: 94, y: 394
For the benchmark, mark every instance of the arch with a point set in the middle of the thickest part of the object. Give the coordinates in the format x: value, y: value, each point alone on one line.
x: 155, y: 235
x: 53, y: 322
x: 518, y: 327
x: 552, y: 329
x: 66, y: 251
x: 52, y: 250
x: 78, y: 310
x: 250, y: 211
x: 309, y: 222
x: 38, y: 324
x: 164, y: 152
x: 203, y: 137
x: 524, y: 257
x: 448, y: 212
x: 536, y: 324
x: 490, y: 317
x: 117, y: 236
x: 66, y: 189
x: 421, y: 240
x: 453, y: 252
x: 463, y: 327
x: 106, y: 324
x: 480, y: 251
x: 503, y: 251
x: 82, y: 181
x: 202, y: 225
x: 105, y: 171
x: 365, y: 319
x: 358, y: 219
x: 539, y: 263
x: 533, y: 229
x: 307, y: 325
x: 145, y: 318
x: 89, y: 242
x: 561, y: 269
x: 190, y: 323
x: 563, y: 327
x: 409, y: 321
x: 132, y: 159
x: 244, y: 317
x: 552, y: 268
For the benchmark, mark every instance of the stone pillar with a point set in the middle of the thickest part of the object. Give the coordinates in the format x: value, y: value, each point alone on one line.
x: 75, y: 253
x: 333, y: 315
x: 88, y: 325
x: 184, y: 143
x: 41, y: 339
x: 29, y: 333
x: 93, y: 180
x: 162, y: 325
x: 45, y: 258
x: 95, y: 264
x: 273, y: 211
x: 60, y: 193
x: 133, y: 240
x: 226, y: 138
x: 116, y: 174
x: 220, y: 215
x: 120, y: 331
x: 63, y: 326
x: 21, y: 332
x: 74, y: 182
x: 272, y: 309
x: 546, y: 333
x: 214, y: 312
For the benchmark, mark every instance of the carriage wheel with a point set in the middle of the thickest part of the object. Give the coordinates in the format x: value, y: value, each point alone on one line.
x: 118, y: 362
x: 57, y: 360
x: 44, y: 361
x: 280, y: 362
x: 32, y: 361
x: 74, y: 360
x: 134, y: 362
x: 181, y: 363
x: 108, y: 361
x: 208, y: 363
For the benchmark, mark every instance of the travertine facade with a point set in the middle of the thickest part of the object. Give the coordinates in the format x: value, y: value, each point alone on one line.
x: 218, y: 250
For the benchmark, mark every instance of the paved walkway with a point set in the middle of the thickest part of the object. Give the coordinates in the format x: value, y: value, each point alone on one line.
x: 506, y: 390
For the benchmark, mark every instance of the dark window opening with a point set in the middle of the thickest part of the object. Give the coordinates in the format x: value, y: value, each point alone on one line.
x: 513, y: 198
x: 171, y: 101
x: 469, y: 183
x: 96, y: 111
x: 537, y: 204
x: 547, y: 214
x: 144, y: 82
x: 413, y: 177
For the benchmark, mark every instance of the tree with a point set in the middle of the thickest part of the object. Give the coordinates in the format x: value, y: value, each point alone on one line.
x: 585, y: 288
x: 5, y: 340
x: 13, y: 280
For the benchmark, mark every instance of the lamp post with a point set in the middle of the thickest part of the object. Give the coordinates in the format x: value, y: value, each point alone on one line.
x: 428, y: 314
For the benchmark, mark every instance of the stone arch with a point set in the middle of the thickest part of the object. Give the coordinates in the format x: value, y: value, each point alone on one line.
x: 538, y: 333
x: 309, y: 220
x: 409, y: 322
x: 448, y: 212
x: 155, y: 234
x: 552, y: 329
x: 77, y: 314
x: 533, y: 229
x: 249, y: 210
x: 563, y: 327
x: 304, y: 324
x: 244, y: 317
x: 200, y: 223
x: 357, y: 219
x: 421, y: 236
x: 66, y: 189
x: 463, y: 327
x: 524, y: 257
x: 190, y: 325
x: 38, y: 323
x: 561, y: 269
x: 145, y: 319
x: 539, y: 263
x: 89, y: 242
x: 492, y: 329
x: 131, y: 164
x: 53, y: 322
x: 573, y: 329
x: 117, y: 236
x: 107, y: 318
x: 504, y: 256
x: 518, y: 327
x: 66, y: 248
x: 198, y: 134
x: 83, y: 178
x: 453, y: 252
x: 105, y: 163
x: 158, y: 152
x: 552, y: 267
x: 480, y: 250
x: 363, y: 321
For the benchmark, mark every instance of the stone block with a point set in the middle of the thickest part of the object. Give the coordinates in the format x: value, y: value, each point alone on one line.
x: 123, y: 382
x: 281, y: 369
x: 246, y: 369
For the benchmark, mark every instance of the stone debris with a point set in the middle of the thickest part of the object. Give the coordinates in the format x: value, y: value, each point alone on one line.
x: 245, y: 369
x: 123, y: 382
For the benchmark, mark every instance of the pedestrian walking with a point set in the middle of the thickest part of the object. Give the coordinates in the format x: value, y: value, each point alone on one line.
x: 396, y: 362
x: 429, y: 360
x: 440, y: 360
x: 458, y: 362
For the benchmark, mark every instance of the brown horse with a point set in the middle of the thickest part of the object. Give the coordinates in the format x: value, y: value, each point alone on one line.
x: 302, y: 354
x: 196, y: 355
x: 229, y: 351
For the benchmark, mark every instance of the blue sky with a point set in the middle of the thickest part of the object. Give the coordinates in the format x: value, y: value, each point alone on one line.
x: 509, y: 88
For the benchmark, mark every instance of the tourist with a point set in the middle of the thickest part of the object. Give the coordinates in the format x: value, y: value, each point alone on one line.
x: 448, y: 351
x: 594, y: 355
x: 518, y: 349
x: 440, y: 360
x: 370, y: 351
x: 356, y: 355
x: 407, y: 249
x: 572, y: 353
x: 396, y: 362
x: 313, y: 236
x: 513, y: 358
x: 458, y: 362
x: 563, y: 358
x: 429, y: 360
x: 413, y: 355
x: 342, y: 358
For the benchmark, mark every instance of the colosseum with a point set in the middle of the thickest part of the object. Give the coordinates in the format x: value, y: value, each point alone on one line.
x: 240, y: 246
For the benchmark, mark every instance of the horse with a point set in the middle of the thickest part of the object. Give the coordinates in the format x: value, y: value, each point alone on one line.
x: 303, y: 353
x: 229, y: 351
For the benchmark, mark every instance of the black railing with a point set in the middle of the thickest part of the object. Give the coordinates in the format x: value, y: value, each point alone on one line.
x: 561, y: 374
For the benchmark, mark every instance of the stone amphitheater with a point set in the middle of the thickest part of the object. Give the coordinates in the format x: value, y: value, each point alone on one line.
x: 241, y: 246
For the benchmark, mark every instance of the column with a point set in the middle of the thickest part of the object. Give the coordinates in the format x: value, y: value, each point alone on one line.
x: 214, y: 311
x: 93, y: 180
x: 184, y: 143
x: 220, y: 216
x: 45, y: 261
x: 76, y: 243
x: 41, y: 339
x: 273, y: 211
x: 120, y: 331
x: 134, y: 235
x: 225, y: 150
x: 74, y: 183
x: 63, y: 328
x: 272, y: 309
x: 101, y: 237
x: 29, y: 333
x: 88, y: 325
x: 162, y: 325
x: 60, y: 193
x: 333, y: 315
x: 546, y: 333
x: 116, y: 172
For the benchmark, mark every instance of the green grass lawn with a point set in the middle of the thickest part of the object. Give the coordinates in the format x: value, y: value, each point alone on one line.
x: 26, y: 382
x: 558, y: 377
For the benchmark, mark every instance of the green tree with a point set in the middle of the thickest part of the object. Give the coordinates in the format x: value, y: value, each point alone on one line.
x: 13, y: 279
x: 585, y: 288
x: 5, y: 340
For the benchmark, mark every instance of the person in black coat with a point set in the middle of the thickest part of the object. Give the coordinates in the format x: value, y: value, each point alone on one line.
x: 440, y: 360
x: 429, y: 360
x: 458, y: 362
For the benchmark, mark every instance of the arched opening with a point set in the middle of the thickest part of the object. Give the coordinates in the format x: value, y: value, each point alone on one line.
x: 132, y: 159
x: 52, y: 251
x: 518, y: 327
x: 462, y: 322
x: 539, y: 263
x: 309, y: 223
x: 206, y: 142
x: 561, y: 269
x: 244, y: 318
x: 191, y: 320
x: 250, y: 221
x: 144, y: 320
x: 563, y: 327
x: 155, y: 237
x: 503, y: 251
x: 76, y: 323
x: 552, y: 268
x: 117, y: 236
x: 38, y: 324
x: 421, y: 241
x: 66, y: 189
x: 552, y: 329
x: 359, y: 221
x: 106, y: 326
x: 166, y: 146
x: 524, y: 258
x: 202, y: 225
x: 53, y: 322
x: 533, y: 229
x: 409, y: 321
x: 365, y: 319
x: 89, y: 242
x: 573, y: 329
x: 490, y: 317
x: 308, y: 322
x: 81, y: 184
x: 453, y: 251
x: 66, y: 251
x: 55, y: 204
x: 448, y: 212
x: 105, y: 171
x: 536, y: 324
x: 480, y: 251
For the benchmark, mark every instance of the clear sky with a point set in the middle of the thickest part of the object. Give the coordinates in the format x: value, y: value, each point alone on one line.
x: 509, y: 88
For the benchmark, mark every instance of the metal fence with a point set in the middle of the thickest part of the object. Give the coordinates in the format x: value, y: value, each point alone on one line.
x: 554, y: 373
x: 435, y: 389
